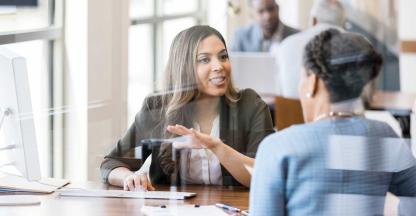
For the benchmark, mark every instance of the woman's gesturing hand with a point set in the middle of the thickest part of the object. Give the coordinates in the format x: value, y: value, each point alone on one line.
x: 194, y: 139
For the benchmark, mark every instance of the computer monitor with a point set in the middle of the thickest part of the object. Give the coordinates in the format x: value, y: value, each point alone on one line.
x: 19, y: 2
x: 255, y: 70
x: 17, y: 129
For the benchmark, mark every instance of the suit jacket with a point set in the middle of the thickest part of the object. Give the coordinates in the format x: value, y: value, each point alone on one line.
x: 243, y: 124
x: 249, y: 38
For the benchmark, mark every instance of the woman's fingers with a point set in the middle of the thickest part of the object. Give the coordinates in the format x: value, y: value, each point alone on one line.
x: 129, y: 184
x: 183, y: 128
x: 147, y: 185
x: 136, y: 182
x: 198, y: 139
x: 178, y: 129
x: 150, y: 186
x: 143, y: 181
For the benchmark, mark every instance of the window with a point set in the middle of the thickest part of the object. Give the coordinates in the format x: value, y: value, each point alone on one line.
x: 35, y: 33
x: 154, y: 23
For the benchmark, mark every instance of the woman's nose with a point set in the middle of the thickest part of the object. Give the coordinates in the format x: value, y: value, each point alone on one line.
x: 216, y: 65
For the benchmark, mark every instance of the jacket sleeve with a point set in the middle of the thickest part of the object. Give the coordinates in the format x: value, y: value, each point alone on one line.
x: 122, y: 155
x: 268, y: 184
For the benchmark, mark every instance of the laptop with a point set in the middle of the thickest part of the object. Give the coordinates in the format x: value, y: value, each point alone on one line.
x: 255, y: 70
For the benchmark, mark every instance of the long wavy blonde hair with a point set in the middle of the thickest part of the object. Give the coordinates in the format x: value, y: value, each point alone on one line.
x: 180, y: 84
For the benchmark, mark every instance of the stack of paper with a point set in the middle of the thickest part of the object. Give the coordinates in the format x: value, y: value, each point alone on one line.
x: 12, y: 183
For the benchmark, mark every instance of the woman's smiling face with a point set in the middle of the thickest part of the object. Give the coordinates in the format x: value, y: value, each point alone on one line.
x: 213, y: 67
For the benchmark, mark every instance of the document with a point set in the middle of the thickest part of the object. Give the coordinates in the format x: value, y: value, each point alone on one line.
x: 249, y: 169
x: 183, y: 210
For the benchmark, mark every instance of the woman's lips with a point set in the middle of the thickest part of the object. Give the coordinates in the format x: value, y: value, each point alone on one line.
x: 217, y: 81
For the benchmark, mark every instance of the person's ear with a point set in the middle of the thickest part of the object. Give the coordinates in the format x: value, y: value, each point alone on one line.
x: 277, y: 10
x: 312, y: 85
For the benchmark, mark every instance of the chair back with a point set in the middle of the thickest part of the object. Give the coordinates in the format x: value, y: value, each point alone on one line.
x: 287, y: 112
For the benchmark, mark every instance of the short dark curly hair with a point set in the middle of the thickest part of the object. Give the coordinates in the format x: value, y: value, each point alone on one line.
x: 345, y: 62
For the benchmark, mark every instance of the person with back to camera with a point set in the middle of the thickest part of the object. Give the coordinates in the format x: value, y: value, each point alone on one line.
x: 290, y: 174
x: 223, y: 126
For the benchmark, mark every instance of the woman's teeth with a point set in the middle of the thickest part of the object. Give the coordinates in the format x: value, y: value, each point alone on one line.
x: 217, y: 80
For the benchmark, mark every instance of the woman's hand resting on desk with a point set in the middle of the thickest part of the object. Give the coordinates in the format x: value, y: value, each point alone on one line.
x: 196, y: 139
x: 137, y: 182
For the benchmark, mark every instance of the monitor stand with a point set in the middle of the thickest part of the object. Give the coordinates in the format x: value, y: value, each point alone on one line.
x: 3, y: 114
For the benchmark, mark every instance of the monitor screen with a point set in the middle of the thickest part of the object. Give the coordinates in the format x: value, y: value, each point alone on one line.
x: 19, y: 2
x: 245, y: 64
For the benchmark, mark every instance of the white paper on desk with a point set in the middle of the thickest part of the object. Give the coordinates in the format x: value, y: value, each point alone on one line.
x: 183, y: 210
x: 249, y: 169
x: 20, y: 184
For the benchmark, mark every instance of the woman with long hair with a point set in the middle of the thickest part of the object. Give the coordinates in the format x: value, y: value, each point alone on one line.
x: 222, y: 126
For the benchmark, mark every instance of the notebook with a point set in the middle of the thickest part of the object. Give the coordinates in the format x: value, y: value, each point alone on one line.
x: 183, y: 210
x: 172, y: 195
x: 13, y: 183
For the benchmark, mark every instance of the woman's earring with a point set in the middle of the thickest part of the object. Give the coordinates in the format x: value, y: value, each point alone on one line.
x: 309, y: 95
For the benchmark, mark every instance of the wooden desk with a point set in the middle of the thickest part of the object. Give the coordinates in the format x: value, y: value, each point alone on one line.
x: 54, y: 205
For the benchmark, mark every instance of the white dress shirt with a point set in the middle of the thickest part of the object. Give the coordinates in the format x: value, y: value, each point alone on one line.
x: 271, y: 45
x: 197, y: 166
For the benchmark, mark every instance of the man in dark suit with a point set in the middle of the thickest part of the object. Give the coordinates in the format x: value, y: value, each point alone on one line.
x: 266, y: 33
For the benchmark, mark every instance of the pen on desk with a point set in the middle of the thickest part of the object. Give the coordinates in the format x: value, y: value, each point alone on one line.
x: 227, y: 207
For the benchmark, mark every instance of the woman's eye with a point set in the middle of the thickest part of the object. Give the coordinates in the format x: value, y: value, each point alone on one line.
x: 203, y: 60
x: 224, y: 57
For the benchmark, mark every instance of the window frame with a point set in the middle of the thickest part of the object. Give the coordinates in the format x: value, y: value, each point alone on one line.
x: 53, y: 35
x: 156, y: 21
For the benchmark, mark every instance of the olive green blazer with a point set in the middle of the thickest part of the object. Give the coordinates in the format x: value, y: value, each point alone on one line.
x: 243, y: 125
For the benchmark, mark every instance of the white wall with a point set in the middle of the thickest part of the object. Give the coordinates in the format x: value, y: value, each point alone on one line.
x: 216, y: 12
x: 76, y: 94
x: 96, y: 48
x: 407, y: 31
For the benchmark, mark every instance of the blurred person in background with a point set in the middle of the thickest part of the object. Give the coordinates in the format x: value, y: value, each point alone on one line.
x: 266, y: 33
